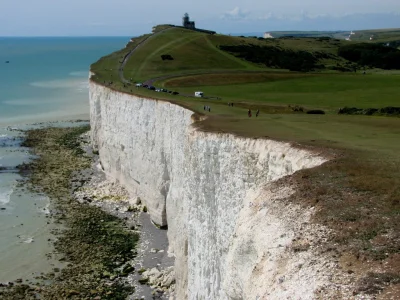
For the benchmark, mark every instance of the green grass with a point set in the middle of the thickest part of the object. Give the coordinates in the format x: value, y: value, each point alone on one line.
x: 222, y: 75
x: 379, y: 35
x: 325, y: 91
x: 192, y: 51
x: 106, y: 68
x: 377, y: 135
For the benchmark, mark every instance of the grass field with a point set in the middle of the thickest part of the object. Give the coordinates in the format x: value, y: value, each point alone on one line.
x: 357, y: 193
x: 324, y: 91
x: 379, y: 35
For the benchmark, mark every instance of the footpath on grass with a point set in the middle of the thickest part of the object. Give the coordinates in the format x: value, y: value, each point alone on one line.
x: 127, y: 56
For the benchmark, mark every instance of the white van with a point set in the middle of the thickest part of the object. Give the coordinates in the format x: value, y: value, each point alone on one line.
x: 198, y: 94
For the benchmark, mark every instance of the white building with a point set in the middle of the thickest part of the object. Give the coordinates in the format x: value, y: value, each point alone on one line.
x: 267, y: 35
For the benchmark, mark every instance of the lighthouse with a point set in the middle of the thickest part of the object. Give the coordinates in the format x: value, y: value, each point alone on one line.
x: 187, y: 23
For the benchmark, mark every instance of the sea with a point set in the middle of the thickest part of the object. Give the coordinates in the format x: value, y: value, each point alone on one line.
x: 43, y: 82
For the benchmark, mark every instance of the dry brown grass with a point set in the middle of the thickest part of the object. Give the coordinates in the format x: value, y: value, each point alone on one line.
x: 358, y: 199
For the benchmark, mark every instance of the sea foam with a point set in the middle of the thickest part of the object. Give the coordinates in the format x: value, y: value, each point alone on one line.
x: 57, y: 84
x: 79, y: 73
x: 5, y: 195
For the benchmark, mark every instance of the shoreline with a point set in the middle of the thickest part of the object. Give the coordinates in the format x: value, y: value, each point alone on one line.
x: 99, y: 248
x: 153, y: 276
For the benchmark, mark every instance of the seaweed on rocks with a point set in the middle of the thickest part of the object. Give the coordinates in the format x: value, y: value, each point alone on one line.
x: 94, y: 243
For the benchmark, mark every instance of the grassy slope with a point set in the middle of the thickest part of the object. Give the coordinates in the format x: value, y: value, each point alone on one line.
x: 192, y: 52
x: 380, y: 35
x: 327, y: 91
x: 357, y: 193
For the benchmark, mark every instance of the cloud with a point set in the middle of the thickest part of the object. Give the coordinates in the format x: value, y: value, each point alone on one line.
x: 236, y: 14
x: 267, y: 16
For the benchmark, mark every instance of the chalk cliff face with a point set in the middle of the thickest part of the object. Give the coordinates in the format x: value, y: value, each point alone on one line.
x: 228, y: 225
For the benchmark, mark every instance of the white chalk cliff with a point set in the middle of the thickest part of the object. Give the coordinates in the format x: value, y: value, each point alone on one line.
x: 229, y: 227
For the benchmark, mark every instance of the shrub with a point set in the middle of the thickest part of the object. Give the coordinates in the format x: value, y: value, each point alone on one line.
x: 373, y: 55
x: 166, y: 57
x: 276, y: 57
x: 316, y: 112
x: 387, y: 111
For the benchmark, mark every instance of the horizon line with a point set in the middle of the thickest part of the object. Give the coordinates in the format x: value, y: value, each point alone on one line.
x: 226, y: 33
x: 64, y: 36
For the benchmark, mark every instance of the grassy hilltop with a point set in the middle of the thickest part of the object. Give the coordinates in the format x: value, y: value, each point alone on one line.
x: 357, y: 193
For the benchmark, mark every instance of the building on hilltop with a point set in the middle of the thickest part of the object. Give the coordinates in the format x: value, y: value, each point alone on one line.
x: 187, y: 23
x: 267, y: 35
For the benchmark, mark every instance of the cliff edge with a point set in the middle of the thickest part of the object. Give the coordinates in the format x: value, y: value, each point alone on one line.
x: 233, y: 234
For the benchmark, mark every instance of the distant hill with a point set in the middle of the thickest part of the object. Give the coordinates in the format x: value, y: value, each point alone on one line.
x: 375, y: 35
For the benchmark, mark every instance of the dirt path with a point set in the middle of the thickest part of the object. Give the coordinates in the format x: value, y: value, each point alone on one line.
x: 126, y: 58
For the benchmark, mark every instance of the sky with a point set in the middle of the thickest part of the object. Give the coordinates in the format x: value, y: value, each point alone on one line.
x: 131, y: 18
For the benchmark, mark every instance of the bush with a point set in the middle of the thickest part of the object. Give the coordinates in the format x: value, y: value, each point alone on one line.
x: 387, y: 111
x: 166, y: 57
x: 316, y: 112
x: 373, y: 55
x: 276, y: 57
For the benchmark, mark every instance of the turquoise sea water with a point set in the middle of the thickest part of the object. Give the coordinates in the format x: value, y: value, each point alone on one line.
x: 45, y: 79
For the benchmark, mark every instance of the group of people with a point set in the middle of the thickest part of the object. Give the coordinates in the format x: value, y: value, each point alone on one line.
x: 249, y: 113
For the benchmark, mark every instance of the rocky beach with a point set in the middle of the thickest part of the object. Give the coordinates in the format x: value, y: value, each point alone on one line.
x: 97, y: 239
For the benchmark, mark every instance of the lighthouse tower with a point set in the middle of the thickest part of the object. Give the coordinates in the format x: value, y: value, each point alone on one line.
x: 187, y: 23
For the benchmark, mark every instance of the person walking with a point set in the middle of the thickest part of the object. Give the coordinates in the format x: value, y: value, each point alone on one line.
x: 249, y: 113
x: 257, y: 113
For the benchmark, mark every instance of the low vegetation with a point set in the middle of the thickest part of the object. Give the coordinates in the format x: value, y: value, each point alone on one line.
x: 371, y: 55
x: 275, y: 57
x: 384, y: 111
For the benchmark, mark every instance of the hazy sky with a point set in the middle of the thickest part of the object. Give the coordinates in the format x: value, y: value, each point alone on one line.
x: 127, y: 17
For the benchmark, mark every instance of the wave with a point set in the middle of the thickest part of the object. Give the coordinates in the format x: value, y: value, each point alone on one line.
x: 58, y: 83
x: 28, y: 102
x: 26, y: 239
x: 45, y: 210
x: 83, y: 86
x: 79, y: 73
x: 5, y: 196
x: 10, y: 141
